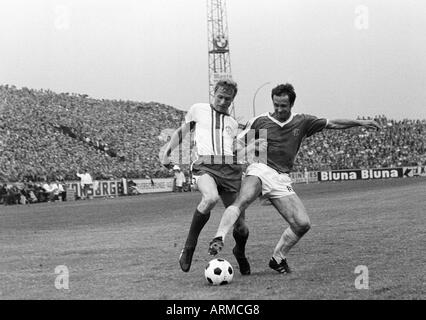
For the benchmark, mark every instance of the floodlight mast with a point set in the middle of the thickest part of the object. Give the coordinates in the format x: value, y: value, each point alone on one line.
x: 218, y: 45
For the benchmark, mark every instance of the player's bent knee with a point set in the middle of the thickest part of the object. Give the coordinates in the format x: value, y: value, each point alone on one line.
x: 303, y: 227
x: 243, y: 203
x: 210, y: 201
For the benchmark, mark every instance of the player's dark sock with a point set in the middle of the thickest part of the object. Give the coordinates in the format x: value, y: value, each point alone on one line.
x: 239, y: 251
x: 185, y: 258
x: 197, y: 224
x: 240, y: 241
x: 199, y: 220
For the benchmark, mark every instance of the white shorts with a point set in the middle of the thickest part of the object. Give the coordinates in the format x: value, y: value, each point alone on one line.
x: 274, y: 184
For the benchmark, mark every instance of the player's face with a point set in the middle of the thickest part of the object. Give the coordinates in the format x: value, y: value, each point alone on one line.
x: 282, y: 107
x: 223, y: 98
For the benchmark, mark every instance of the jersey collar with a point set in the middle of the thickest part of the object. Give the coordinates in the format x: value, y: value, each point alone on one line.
x: 282, y: 124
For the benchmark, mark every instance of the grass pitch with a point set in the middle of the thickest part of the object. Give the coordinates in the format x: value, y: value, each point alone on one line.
x: 128, y: 248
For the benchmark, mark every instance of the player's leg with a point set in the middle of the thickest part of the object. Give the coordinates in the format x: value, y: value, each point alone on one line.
x: 251, y: 188
x: 208, y: 188
x: 291, y: 208
x: 240, y: 233
x: 241, y: 230
x: 82, y: 191
x: 86, y: 188
x: 86, y: 191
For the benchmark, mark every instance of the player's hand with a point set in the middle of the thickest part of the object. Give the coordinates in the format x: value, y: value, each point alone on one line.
x: 371, y: 124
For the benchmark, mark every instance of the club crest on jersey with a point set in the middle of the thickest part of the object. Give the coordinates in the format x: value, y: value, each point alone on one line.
x: 229, y: 131
x: 296, y: 132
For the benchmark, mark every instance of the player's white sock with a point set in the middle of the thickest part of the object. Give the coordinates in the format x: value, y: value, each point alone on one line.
x: 287, y: 241
x: 229, y: 217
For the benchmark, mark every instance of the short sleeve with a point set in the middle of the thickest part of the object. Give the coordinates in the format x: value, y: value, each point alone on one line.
x: 314, y: 125
x: 192, y: 114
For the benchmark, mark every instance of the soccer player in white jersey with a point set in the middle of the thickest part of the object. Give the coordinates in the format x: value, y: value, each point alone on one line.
x: 285, y: 132
x: 218, y: 176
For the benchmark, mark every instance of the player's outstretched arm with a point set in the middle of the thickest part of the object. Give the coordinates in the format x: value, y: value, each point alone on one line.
x: 341, y: 124
x: 175, y: 140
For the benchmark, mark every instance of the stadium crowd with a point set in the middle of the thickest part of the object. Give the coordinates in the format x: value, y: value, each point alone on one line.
x: 398, y: 143
x: 30, y: 192
x: 49, y: 136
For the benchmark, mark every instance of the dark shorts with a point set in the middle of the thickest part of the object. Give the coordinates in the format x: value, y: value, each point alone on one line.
x: 227, y: 176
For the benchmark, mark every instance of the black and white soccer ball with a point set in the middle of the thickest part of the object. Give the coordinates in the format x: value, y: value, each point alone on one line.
x: 218, y: 272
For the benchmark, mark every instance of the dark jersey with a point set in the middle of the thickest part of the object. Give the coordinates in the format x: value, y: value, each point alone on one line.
x: 284, y: 139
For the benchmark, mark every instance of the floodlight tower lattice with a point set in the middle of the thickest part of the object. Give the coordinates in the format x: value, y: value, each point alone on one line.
x: 218, y: 45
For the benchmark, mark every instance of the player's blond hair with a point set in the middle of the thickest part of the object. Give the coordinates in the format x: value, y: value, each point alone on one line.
x: 227, y: 84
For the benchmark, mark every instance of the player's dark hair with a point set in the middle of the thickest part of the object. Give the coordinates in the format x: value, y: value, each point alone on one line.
x: 227, y: 84
x: 284, y: 89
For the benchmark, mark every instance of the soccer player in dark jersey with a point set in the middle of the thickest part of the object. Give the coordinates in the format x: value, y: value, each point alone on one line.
x: 285, y: 133
x: 217, y: 173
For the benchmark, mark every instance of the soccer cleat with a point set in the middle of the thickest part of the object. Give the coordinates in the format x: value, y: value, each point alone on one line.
x: 185, y: 258
x: 281, y: 267
x: 242, y: 262
x: 215, y: 246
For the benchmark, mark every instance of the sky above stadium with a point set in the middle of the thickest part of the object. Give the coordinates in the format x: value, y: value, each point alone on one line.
x: 344, y: 58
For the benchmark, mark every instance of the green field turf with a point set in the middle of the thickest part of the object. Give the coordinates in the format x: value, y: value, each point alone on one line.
x: 128, y: 248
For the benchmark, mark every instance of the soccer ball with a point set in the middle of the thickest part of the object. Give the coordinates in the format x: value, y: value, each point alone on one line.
x: 219, y: 272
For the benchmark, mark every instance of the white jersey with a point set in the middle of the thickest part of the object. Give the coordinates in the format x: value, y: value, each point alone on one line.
x: 86, y: 178
x: 214, y: 132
